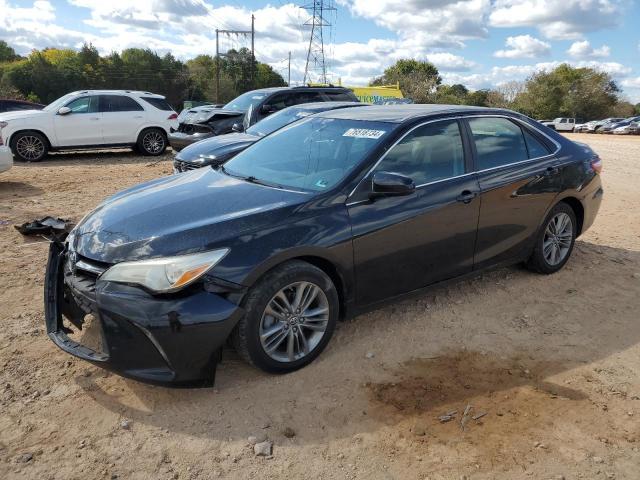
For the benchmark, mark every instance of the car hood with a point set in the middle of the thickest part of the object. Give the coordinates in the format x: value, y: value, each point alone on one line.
x: 195, y: 211
x: 221, y: 146
x: 207, y: 116
x: 18, y: 115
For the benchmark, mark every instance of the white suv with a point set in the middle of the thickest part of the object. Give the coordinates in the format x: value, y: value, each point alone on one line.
x: 90, y: 119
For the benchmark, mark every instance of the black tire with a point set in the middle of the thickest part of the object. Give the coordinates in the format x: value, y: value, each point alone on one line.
x: 152, y: 142
x: 29, y: 146
x: 539, y: 261
x: 246, y: 336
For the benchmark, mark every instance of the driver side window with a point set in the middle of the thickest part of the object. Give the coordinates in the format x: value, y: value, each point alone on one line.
x: 429, y: 153
x: 83, y: 105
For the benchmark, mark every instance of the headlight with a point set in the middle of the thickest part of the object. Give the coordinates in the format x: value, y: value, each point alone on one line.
x: 167, y: 274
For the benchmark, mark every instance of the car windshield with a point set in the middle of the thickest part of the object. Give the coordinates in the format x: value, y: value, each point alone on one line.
x: 279, y: 120
x: 313, y: 154
x: 244, y: 101
x: 56, y: 104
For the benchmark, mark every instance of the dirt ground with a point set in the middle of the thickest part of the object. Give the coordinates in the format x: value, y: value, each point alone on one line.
x: 553, y: 361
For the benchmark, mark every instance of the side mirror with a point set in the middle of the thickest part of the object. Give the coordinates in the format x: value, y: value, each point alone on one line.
x: 237, y: 127
x: 267, y: 109
x: 387, y: 184
x: 64, y: 110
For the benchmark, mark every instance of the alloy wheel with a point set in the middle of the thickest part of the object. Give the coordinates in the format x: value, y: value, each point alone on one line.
x: 153, y: 142
x: 557, y: 238
x: 30, y: 147
x: 294, y: 321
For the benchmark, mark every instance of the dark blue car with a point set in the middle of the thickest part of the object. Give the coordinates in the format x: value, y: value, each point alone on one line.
x: 324, y: 218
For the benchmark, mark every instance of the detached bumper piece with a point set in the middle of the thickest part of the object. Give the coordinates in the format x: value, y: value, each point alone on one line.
x: 170, y: 340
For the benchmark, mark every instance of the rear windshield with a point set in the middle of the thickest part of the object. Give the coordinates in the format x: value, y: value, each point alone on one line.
x: 278, y: 120
x: 159, y: 103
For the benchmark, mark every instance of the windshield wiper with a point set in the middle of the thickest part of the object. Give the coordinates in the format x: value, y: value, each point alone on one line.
x: 250, y: 178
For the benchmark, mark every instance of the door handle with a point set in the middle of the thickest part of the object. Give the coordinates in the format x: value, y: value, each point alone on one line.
x: 550, y: 171
x: 94, y: 118
x: 466, y: 196
x: 138, y: 116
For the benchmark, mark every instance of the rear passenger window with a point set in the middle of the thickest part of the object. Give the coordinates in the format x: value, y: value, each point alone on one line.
x: 340, y: 97
x: 429, y: 153
x: 119, y: 103
x: 535, y: 147
x: 498, y: 142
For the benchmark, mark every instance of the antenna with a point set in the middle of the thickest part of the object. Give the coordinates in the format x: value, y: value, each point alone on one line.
x: 316, y: 66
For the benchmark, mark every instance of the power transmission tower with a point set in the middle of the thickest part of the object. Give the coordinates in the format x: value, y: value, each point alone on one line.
x: 316, y: 65
x: 245, y: 33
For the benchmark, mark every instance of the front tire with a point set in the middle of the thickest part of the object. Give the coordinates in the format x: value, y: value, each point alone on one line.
x: 29, y: 146
x: 290, y: 317
x: 152, y: 142
x: 555, y: 240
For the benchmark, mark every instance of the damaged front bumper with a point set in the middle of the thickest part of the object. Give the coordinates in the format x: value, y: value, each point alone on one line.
x: 169, y: 340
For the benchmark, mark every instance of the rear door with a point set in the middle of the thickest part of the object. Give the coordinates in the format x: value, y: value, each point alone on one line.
x: 404, y: 243
x: 519, y: 178
x: 82, y: 126
x: 122, y: 118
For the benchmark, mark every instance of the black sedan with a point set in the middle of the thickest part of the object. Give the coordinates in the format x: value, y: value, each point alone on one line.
x: 217, y: 150
x: 320, y: 220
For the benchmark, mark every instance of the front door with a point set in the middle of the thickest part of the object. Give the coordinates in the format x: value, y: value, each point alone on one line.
x: 81, y: 126
x: 519, y: 178
x: 405, y: 243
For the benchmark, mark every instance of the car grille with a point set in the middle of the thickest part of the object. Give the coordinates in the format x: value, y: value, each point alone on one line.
x: 190, y: 128
x: 180, y: 166
x: 80, y: 276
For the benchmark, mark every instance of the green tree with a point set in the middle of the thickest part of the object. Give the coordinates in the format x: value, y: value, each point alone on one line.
x: 418, y: 79
x: 569, y: 92
x: 637, y: 109
x: 7, y: 53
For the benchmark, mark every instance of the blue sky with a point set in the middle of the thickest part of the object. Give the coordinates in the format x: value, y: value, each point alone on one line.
x: 480, y: 43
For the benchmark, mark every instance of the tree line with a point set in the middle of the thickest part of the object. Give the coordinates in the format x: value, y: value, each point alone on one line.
x: 44, y: 75
x: 583, y: 93
x: 47, y: 74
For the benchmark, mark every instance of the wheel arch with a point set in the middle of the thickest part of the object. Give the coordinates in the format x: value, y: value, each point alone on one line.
x: 578, y: 210
x: 147, y: 127
x: 330, y: 266
x: 12, y: 137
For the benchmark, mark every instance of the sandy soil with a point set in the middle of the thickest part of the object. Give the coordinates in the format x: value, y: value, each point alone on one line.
x: 553, y: 361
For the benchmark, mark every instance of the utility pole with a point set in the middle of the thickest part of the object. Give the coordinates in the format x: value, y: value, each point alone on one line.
x: 228, y: 33
x: 289, y: 71
x: 315, y: 54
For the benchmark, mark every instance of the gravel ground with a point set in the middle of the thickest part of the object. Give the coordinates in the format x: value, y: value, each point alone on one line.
x: 553, y: 361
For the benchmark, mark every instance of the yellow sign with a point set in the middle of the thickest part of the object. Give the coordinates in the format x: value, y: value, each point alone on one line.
x: 377, y: 95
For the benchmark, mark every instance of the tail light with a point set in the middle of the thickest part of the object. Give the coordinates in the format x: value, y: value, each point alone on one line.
x: 596, y: 164
x: 173, y: 116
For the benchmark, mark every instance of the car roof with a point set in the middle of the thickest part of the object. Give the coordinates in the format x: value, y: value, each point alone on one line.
x: 138, y: 93
x: 303, y: 88
x: 401, y: 113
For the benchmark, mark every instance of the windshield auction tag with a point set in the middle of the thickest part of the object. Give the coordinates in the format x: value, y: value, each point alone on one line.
x: 363, y: 133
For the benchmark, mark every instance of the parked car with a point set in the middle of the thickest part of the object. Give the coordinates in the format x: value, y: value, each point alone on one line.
x: 562, y: 124
x: 632, y: 128
x: 611, y: 126
x: 217, y: 150
x: 597, y: 126
x: 90, y: 119
x: 8, y: 105
x: 584, y: 127
x: 318, y: 221
x: 248, y: 109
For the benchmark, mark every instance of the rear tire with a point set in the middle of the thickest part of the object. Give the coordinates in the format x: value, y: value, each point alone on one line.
x: 555, y: 240
x: 152, y: 142
x: 29, y: 146
x: 282, y: 330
